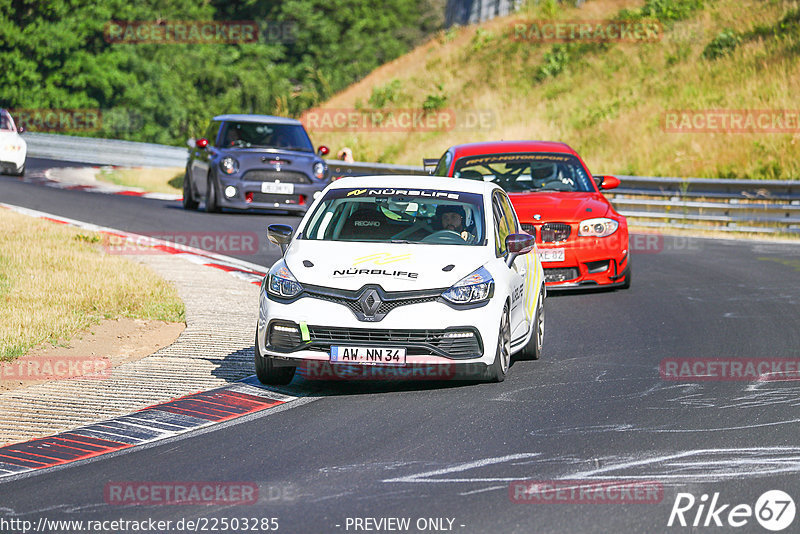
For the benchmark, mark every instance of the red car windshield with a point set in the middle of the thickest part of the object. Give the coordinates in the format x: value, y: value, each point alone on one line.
x: 526, y: 172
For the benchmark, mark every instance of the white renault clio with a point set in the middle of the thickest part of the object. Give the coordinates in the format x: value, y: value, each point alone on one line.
x: 412, y: 272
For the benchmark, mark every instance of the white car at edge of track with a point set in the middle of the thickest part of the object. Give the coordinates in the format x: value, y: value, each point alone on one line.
x: 402, y: 272
x: 13, y: 148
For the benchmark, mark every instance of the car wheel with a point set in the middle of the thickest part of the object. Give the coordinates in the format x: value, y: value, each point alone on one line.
x: 267, y: 373
x: 502, y: 357
x: 533, y: 349
x: 627, y: 283
x: 211, y: 197
x: 189, y: 202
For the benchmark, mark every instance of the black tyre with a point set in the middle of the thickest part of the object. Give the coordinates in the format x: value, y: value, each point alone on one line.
x: 189, y: 202
x: 533, y: 349
x: 627, y: 283
x: 502, y: 357
x: 211, y: 197
x: 267, y: 373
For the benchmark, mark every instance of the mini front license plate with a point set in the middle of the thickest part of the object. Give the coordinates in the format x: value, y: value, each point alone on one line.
x: 368, y: 355
x: 551, y: 254
x: 277, y: 188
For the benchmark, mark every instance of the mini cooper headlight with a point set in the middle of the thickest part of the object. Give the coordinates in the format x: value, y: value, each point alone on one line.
x: 282, y: 282
x: 600, y: 227
x: 229, y: 165
x: 319, y: 170
x: 476, y: 287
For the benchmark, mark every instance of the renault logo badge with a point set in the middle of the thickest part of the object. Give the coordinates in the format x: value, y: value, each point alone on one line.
x: 369, y: 302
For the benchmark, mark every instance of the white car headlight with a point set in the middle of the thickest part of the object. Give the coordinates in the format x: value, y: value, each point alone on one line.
x: 229, y: 165
x: 319, y: 170
x: 600, y: 227
x: 476, y: 287
x: 282, y: 282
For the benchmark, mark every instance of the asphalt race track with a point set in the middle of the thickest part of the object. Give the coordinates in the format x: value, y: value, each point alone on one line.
x: 594, y: 408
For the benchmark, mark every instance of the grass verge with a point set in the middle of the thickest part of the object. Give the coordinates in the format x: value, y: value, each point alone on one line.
x: 608, y: 101
x: 56, y: 280
x: 152, y: 179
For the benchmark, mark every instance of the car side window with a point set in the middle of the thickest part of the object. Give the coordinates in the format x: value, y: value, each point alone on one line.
x: 509, y: 214
x: 211, y: 133
x: 443, y: 165
x: 500, y: 226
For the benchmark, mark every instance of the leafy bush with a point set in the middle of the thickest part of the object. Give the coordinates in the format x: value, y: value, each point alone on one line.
x: 387, y: 94
x: 670, y: 10
x: 723, y: 44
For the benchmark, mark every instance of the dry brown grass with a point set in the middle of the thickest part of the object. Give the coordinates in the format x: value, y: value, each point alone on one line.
x: 152, y: 179
x: 55, y: 281
x: 607, y: 104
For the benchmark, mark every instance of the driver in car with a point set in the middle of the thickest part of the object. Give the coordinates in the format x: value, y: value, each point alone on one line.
x: 452, y: 218
x: 543, y: 172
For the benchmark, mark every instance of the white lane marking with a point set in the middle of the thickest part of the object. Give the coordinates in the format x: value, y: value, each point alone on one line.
x: 426, y: 475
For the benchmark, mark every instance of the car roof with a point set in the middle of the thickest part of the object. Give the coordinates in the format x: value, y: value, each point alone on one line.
x: 416, y: 182
x: 501, y: 147
x: 256, y: 118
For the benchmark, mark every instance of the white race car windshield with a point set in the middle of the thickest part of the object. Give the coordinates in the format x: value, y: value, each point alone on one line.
x: 398, y: 216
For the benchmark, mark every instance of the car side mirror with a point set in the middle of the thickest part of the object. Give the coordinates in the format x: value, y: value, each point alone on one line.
x: 21, y: 129
x: 606, y: 182
x: 323, y: 150
x: 517, y: 244
x: 201, y: 143
x: 280, y: 234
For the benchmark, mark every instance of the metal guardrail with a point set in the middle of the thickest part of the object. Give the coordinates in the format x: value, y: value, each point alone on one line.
x: 763, y: 206
x: 104, y: 151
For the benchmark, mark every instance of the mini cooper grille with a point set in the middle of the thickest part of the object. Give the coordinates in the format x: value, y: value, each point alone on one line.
x: 531, y: 229
x: 553, y: 232
x: 417, y: 342
x: 286, y: 177
x: 560, y: 275
x: 272, y: 198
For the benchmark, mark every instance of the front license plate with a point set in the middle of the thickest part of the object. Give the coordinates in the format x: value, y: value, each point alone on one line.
x: 551, y: 254
x: 277, y: 188
x: 368, y: 355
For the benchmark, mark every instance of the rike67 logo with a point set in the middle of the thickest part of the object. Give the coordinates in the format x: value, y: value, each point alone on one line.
x: 774, y: 510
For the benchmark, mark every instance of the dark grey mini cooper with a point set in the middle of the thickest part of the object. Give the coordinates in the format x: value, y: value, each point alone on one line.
x: 254, y: 161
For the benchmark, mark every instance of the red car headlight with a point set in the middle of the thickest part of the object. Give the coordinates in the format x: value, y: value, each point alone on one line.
x: 599, y: 227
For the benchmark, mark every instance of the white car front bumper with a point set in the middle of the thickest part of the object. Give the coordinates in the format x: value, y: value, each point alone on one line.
x: 433, y: 333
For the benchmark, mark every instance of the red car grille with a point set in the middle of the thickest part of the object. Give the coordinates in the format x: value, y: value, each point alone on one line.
x: 549, y: 232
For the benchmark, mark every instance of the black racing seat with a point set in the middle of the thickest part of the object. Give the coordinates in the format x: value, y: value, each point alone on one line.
x: 365, y: 223
x: 471, y: 174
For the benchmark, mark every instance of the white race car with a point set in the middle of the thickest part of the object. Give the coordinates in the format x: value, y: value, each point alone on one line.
x: 13, y: 148
x: 408, y: 272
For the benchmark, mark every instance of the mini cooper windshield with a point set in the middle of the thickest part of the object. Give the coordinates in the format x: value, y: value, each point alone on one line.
x: 398, y: 216
x: 266, y: 135
x: 518, y: 173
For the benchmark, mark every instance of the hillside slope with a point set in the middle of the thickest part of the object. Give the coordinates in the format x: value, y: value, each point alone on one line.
x: 608, y: 100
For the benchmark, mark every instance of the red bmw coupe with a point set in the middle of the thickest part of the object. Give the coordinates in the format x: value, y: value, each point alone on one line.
x: 582, y: 240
